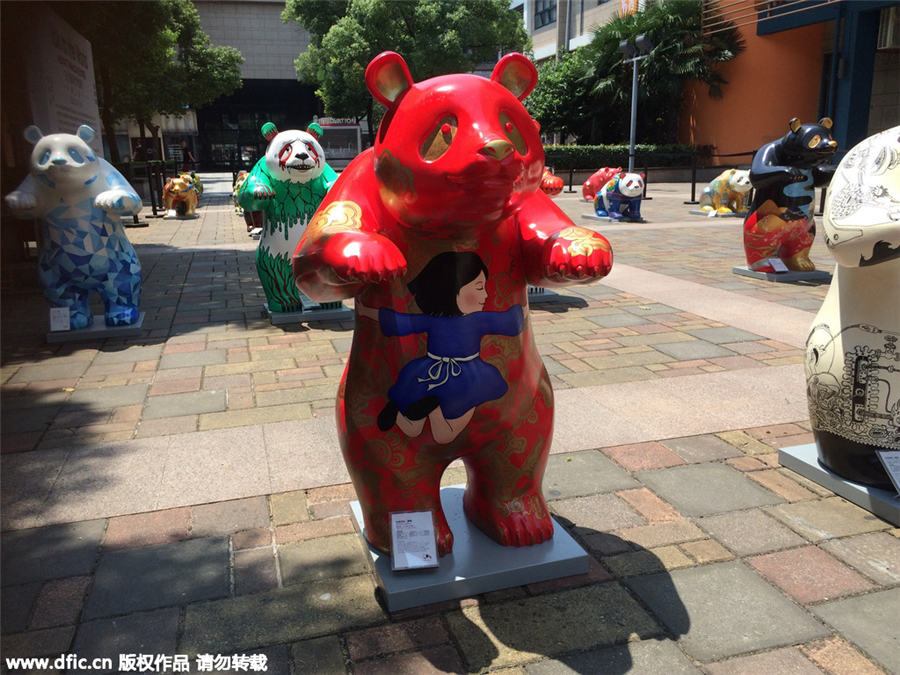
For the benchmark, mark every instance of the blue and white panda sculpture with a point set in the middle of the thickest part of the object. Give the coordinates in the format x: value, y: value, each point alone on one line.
x: 79, y: 199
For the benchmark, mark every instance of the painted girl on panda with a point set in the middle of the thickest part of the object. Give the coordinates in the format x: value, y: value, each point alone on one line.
x: 446, y: 384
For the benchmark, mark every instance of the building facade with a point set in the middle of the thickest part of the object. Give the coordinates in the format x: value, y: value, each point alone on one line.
x: 229, y: 129
x: 803, y: 58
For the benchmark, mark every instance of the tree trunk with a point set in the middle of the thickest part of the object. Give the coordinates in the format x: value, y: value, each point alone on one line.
x: 158, y: 152
x: 107, y: 119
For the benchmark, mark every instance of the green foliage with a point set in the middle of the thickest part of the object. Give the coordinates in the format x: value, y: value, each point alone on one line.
x: 599, y: 83
x: 580, y: 157
x: 434, y: 36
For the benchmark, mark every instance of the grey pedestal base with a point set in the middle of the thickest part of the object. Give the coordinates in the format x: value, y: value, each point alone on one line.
x: 607, y: 219
x: 789, y: 276
x: 477, y: 564
x: 804, y: 459
x: 97, y: 331
x: 312, y: 311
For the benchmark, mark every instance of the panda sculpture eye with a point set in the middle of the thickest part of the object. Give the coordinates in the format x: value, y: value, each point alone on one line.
x: 814, y: 141
x: 74, y: 154
x: 440, y: 138
x: 45, y: 157
x: 513, y: 134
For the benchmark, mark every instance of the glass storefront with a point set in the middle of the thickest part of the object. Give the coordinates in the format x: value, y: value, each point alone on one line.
x: 230, y: 137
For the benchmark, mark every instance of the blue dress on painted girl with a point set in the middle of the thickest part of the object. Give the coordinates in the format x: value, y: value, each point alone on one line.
x: 448, y: 382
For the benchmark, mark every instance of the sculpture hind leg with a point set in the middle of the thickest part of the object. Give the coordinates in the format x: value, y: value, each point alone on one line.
x: 503, y: 496
x: 763, y: 231
x: 796, y: 245
x: 62, y: 293
x: 389, y: 474
x: 121, y: 288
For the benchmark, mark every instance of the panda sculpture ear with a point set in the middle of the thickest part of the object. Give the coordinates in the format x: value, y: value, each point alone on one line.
x: 33, y: 134
x: 269, y: 131
x: 826, y: 122
x: 794, y: 124
x: 516, y: 73
x: 314, y: 130
x: 388, y: 78
x: 85, y: 133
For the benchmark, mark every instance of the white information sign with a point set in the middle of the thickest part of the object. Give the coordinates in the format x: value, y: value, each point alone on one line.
x: 778, y: 265
x: 891, y: 461
x: 59, y: 318
x: 60, y: 70
x: 412, y: 540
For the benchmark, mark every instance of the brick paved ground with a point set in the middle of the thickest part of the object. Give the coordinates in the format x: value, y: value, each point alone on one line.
x: 181, y: 492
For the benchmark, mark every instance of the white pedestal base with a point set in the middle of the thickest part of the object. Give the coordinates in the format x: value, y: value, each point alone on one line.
x: 477, y: 564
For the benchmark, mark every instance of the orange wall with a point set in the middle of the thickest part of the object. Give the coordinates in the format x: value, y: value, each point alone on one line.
x: 777, y: 77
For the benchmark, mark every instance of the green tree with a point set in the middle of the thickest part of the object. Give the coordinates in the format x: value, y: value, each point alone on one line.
x: 434, y: 36
x: 151, y: 57
x: 559, y: 102
x: 601, y: 82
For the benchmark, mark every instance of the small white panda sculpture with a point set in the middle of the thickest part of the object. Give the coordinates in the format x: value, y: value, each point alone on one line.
x: 79, y: 199
x: 853, y: 349
x: 726, y: 193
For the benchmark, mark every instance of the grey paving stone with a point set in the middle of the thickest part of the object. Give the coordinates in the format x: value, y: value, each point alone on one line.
x: 103, y: 398
x: 131, y: 353
x: 827, y: 518
x: 153, y: 632
x: 159, y: 576
x: 588, y: 472
x: 706, y: 448
x: 724, y: 609
x: 38, y: 418
x: 327, y: 557
x: 50, y: 371
x: 869, y: 621
x: 207, y: 357
x: 342, y: 345
x: 649, y: 309
x: 193, y: 403
x: 694, y: 349
x: 785, y: 660
x: 15, y: 606
x: 509, y: 633
x: 877, y: 555
x: 318, y: 655
x: 704, y: 489
x: 50, y: 642
x: 208, y: 520
x: 50, y: 552
x: 647, y: 657
x: 254, y: 571
x: 750, y: 532
x: 616, y: 320
x: 724, y: 334
x: 554, y: 367
x: 249, y: 621
x: 597, y: 513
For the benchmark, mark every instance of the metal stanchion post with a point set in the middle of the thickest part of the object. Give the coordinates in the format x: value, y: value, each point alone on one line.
x: 693, y: 180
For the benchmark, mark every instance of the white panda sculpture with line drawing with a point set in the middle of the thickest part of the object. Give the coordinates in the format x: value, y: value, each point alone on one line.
x: 853, y: 349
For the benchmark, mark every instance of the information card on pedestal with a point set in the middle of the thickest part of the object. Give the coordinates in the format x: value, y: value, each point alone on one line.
x: 412, y: 540
x: 891, y: 461
x: 59, y: 318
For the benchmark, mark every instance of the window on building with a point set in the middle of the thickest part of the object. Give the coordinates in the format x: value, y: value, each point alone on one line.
x: 544, y: 13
